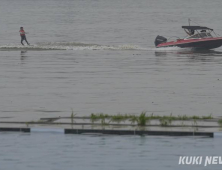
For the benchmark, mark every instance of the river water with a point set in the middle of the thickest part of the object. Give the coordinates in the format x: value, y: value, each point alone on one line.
x: 98, y: 56
x: 52, y: 151
x: 94, y: 56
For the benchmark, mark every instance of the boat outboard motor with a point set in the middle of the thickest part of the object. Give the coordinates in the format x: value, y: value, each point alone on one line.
x: 159, y: 40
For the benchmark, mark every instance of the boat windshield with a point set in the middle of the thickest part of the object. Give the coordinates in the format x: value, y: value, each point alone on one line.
x: 200, y: 35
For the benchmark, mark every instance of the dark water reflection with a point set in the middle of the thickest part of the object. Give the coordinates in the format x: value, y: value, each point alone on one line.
x: 190, y: 52
x: 23, y: 55
x: 193, y: 55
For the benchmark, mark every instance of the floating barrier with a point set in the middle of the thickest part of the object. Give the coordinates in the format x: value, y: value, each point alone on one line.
x: 110, y: 132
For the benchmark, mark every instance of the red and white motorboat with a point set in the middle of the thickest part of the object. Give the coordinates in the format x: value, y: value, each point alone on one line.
x: 198, y: 38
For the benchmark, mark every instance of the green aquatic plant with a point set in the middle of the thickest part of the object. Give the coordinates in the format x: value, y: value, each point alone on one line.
x: 133, y: 119
x: 72, y: 118
x: 142, y: 119
x: 94, y: 117
x: 220, y: 122
x: 195, y: 117
x: 27, y: 124
x: 99, y: 116
x: 103, y: 122
x: 207, y: 117
x: 184, y: 117
x: 195, y: 125
x: 165, y: 121
x: 119, y: 118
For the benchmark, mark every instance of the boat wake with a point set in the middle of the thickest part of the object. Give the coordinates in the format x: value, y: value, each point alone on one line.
x: 173, y: 49
x: 69, y: 46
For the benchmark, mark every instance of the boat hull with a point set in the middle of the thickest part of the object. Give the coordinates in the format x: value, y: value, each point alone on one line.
x: 205, y: 43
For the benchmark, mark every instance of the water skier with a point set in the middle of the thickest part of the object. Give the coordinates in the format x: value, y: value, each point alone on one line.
x: 22, y: 34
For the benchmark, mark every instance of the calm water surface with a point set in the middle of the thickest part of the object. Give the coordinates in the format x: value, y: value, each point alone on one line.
x: 57, y: 151
x: 99, y: 56
x: 39, y: 83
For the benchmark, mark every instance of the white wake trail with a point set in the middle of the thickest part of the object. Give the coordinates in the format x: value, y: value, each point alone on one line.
x: 69, y: 46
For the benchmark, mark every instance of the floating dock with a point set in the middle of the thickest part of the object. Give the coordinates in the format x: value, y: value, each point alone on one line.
x: 83, y: 125
x: 110, y: 132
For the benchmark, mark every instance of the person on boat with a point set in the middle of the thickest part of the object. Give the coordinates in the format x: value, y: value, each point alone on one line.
x: 23, y: 37
x: 190, y: 32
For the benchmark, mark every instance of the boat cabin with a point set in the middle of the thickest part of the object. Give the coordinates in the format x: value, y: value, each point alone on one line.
x: 199, y: 35
x: 197, y: 32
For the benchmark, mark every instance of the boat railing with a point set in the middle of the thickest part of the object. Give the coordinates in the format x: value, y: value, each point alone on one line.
x: 200, y: 35
x: 175, y: 37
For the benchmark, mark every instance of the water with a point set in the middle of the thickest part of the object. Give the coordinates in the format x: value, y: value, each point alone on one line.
x: 98, y: 56
x: 57, y: 151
